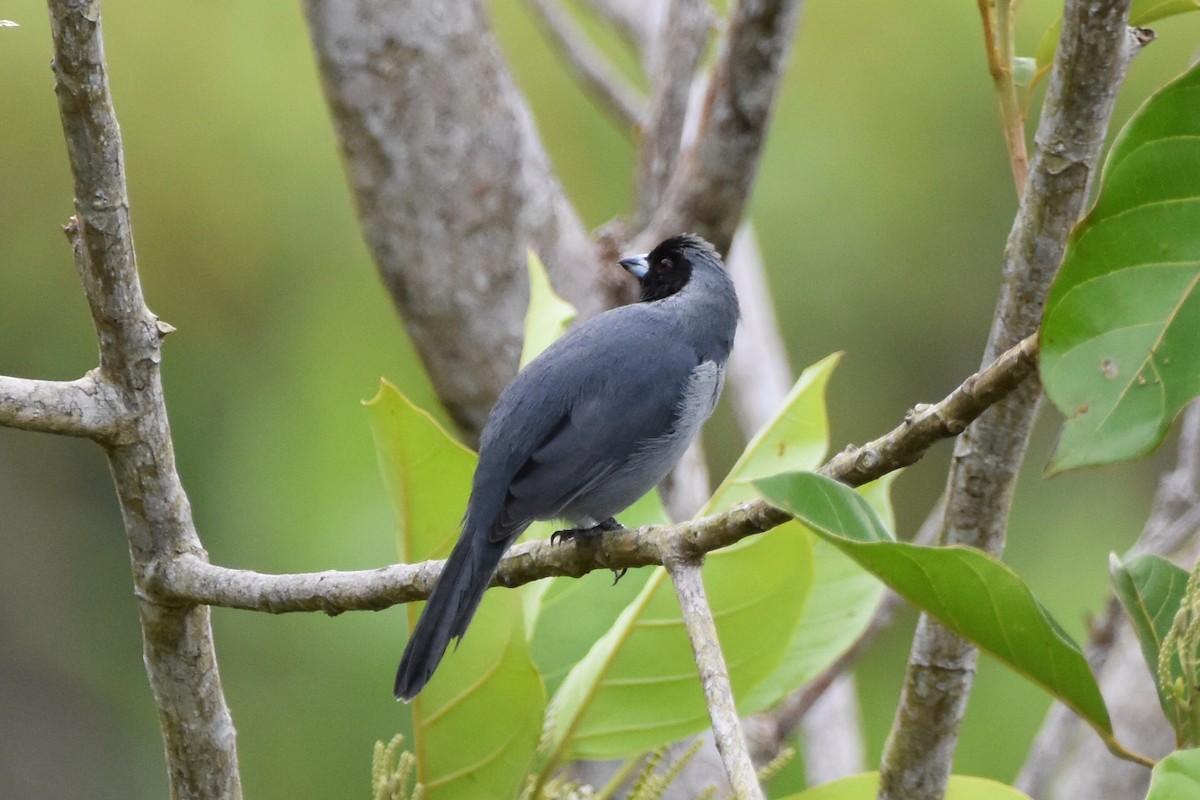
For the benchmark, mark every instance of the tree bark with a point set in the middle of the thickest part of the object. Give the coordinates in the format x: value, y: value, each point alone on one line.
x: 452, y: 186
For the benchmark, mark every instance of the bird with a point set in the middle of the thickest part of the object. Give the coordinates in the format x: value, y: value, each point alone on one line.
x: 586, y: 428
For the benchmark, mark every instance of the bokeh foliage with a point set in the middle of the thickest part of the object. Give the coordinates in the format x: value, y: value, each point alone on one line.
x: 883, y: 203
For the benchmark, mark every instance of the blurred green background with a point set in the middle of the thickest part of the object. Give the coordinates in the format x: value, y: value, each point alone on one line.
x: 883, y: 202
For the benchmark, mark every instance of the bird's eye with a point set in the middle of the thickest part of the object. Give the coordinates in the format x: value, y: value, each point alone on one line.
x: 666, y: 264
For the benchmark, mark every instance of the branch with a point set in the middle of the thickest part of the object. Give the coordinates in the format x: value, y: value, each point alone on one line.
x: 197, y: 731
x: 188, y: 579
x: 87, y: 407
x: 709, y: 190
x: 452, y: 186
x: 1090, y: 65
x: 688, y: 581
x: 592, y: 68
x: 671, y: 66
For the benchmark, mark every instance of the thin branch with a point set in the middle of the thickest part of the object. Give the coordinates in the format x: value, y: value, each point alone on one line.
x: 671, y: 66
x: 87, y: 407
x: 637, y: 20
x: 998, y: 21
x: 596, y: 74
x: 688, y: 581
x: 1089, y: 67
x: 197, y: 731
x: 187, y: 579
x: 709, y: 190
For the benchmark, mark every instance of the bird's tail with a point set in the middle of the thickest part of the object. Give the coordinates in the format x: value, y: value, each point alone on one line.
x: 463, y: 581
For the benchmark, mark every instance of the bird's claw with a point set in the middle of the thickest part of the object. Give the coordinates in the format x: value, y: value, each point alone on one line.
x: 571, y: 534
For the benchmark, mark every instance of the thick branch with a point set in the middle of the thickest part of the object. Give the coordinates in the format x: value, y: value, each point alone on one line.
x: 688, y: 581
x: 86, y: 407
x: 1089, y: 67
x: 709, y: 190
x: 192, y: 580
x: 180, y: 662
x: 452, y: 186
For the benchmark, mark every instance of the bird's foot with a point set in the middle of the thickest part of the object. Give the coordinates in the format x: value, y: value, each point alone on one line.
x: 572, y: 534
x: 602, y: 527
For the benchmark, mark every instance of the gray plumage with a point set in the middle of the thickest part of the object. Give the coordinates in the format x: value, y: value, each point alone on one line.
x: 588, y: 427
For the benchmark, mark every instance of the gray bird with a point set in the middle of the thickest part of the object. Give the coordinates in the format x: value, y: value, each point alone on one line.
x: 587, y: 428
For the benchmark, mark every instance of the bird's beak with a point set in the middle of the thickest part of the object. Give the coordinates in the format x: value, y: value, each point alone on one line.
x: 637, y: 266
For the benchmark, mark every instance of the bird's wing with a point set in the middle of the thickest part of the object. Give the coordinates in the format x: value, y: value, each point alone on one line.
x: 607, y: 415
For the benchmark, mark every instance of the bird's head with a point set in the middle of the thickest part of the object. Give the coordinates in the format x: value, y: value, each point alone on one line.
x: 669, y: 267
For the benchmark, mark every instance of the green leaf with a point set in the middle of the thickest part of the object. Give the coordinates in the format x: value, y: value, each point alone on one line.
x: 461, y: 752
x: 1143, y: 12
x: 637, y: 686
x: 1176, y: 777
x: 1119, y: 354
x: 866, y: 787
x: 1150, y: 589
x: 967, y: 591
x: 548, y: 315
x: 840, y: 606
x: 426, y: 472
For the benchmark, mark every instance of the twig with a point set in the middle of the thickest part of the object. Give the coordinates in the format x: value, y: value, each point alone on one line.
x: 637, y: 20
x: 1089, y: 67
x: 688, y: 581
x: 998, y: 20
x: 178, y: 652
x: 709, y: 190
x: 187, y: 579
x: 595, y: 72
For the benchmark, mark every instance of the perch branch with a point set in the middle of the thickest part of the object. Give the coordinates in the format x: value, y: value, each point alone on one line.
x: 197, y: 731
x: 1090, y: 64
x: 188, y: 579
x: 688, y: 581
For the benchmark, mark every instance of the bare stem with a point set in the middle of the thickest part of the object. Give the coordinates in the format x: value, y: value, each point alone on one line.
x: 998, y: 21
x: 714, y: 677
